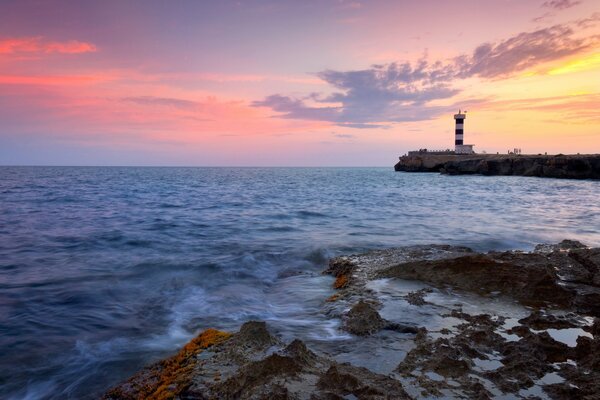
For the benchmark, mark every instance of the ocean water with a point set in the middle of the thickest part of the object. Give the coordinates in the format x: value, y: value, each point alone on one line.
x: 103, y: 270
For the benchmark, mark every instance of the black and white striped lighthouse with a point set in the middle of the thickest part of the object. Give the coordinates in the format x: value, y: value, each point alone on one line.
x: 459, y: 131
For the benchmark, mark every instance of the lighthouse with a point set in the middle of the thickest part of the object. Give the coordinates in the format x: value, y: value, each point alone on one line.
x: 459, y: 131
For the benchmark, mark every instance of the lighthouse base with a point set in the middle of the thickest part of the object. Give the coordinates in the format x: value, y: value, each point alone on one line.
x: 464, y: 149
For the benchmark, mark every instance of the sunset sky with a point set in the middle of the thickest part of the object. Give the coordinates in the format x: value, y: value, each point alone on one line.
x: 293, y: 83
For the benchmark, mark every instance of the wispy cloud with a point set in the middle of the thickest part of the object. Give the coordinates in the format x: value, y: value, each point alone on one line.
x: 555, y: 6
x: 575, y: 109
x: 525, y: 50
x: 38, y: 44
x: 544, y: 17
x: 54, y: 80
x: 160, y: 101
x: 560, y: 4
x: 588, y: 22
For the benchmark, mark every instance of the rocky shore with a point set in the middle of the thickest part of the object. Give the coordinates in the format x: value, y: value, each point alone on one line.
x: 548, y: 166
x: 516, y: 324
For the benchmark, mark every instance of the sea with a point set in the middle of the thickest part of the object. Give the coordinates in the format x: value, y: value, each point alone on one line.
x: 106, y: 269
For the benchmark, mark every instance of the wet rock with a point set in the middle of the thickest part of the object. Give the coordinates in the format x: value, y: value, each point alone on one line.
x: 520, y: 364
x: 260, y: 376
x: 527, y: 277
x: 582, y: 377
x: 452, y: 359
x: 363, y: 319
x: 290, y: 272
x: 355, y: 271
x: 298, y: 351
x: 253, y: 335
x: 594, y: 329
x: 345, y: 379
x: 417, y: 298
x: 586, y: 388
x: 333, y: 298
x: 340, y: 266
x: 342, y: 269
x: 528, y: 360
x: 565, y: 245
x: 170, y: 377
x: 590, y: 260
x: 539, y: 320
x: 449, y: 362
x: 253, y: 364
x: 341, y: 282
x: 562, y: 276
x: 587, y: 353
x: 401, y: 328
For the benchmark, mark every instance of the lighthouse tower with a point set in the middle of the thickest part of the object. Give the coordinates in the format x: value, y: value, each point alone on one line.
x: 459, y: 146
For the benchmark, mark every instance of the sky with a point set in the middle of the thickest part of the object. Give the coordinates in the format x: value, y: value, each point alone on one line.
x: 293, y: 83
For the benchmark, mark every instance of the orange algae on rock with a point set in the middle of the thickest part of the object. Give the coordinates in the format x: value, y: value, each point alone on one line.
x: 167, y: 378
x: 341, y: 281
x: 333, y: 298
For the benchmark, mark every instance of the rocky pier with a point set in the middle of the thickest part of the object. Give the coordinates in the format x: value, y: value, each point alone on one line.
x: 573, y: 166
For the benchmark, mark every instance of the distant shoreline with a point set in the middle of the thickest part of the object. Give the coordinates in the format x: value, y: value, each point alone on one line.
x: 572, y: 166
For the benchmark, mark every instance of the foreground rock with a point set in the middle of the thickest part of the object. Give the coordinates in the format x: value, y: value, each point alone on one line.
x: 363, y: 320
x: 253, y: 364
x: 539, y: 336
x: 558, y: 166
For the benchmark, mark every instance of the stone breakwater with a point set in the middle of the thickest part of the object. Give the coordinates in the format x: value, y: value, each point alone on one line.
x: 556, y: 166
x: 539, y: 338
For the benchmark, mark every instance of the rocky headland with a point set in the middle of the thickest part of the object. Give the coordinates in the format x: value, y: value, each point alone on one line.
x: 513, y: 324
x: 548, y: 166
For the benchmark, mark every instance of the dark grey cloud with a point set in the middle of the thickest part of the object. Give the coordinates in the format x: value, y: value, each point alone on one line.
x: 543, y: 17
x: 371, y: 98
x: 160, y: 101
x: 399, y: 92
x: 296, y: 108
x: 358, y: 125
x: 560, y: 4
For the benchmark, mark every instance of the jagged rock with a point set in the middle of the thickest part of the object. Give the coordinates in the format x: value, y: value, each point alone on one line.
x: 538, y: 320
x: 170, y: 377
x: 565, y: 245
x: 340, y: 266
x: 253, y: 364
x: 400, y: 328
x: 582, y: 381
x: 417, y: 298
x: 345, y: 379
x: 363, y: 319
x: 527, y: 277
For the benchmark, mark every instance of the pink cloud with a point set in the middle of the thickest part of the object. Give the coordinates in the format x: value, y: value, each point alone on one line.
x: 574, y: 108
x: 46, y: 80
x: 110, y: 112
x: 40, y: 45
